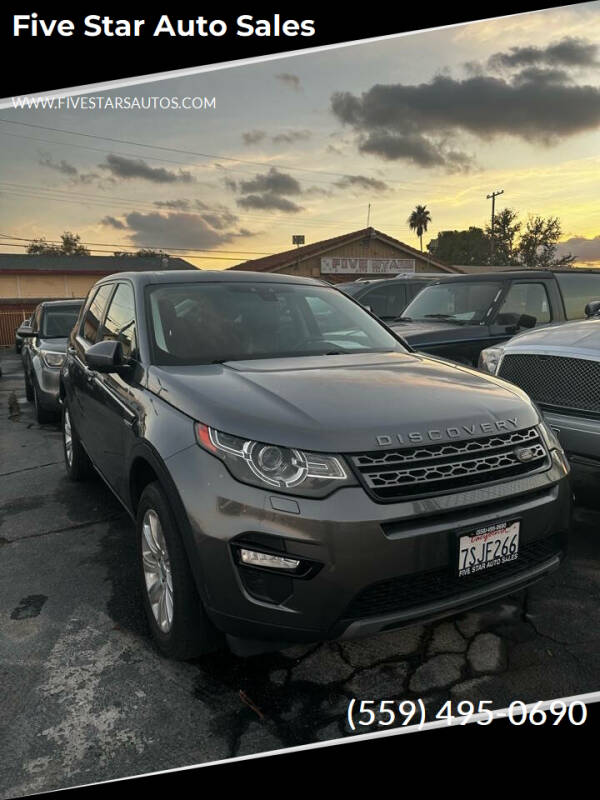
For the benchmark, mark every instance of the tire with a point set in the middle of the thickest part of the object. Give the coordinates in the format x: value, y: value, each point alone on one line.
x: 77, y: 463
x: 177, y: 620
x: 42, y: 414
x: 28, y: 386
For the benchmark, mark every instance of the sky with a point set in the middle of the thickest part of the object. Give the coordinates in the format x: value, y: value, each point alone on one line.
x: 304, y: 144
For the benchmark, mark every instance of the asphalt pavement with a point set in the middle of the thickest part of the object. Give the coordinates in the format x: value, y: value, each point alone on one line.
x: 84, y: 695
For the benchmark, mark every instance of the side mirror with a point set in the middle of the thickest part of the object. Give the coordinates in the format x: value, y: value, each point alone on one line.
x: 26, y: 332
x: 527, y: 321
x: 106, y: 356
x: 592, y: 308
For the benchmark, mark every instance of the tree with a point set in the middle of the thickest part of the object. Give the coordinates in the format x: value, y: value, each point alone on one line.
x: 461, y: 248
x: 538, y: 245
x: 506, y: 229
x: 418, y: 221
x: 70, y: 246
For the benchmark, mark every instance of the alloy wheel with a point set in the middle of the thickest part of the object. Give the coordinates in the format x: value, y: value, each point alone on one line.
x: 157, y: 570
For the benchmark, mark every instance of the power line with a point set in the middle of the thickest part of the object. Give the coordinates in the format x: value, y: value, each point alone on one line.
x: 218, y: 157
x: 142, y: 247
x: 211, y: 258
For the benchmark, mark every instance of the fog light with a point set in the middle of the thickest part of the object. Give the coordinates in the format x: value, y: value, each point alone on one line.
x: 257, y: 559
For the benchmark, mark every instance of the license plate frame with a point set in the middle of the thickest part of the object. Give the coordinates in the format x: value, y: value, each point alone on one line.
x: 493, y: 545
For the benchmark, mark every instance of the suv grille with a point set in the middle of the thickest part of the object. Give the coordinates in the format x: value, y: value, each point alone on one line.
x: 417, y: 471
x: 397, y: 594
x: 557, y: 381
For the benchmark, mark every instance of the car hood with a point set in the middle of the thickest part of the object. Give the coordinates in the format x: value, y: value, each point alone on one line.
x: 54, y: 345
x: 421, y: 333
x: 569, y: 338
x: 344, y: 403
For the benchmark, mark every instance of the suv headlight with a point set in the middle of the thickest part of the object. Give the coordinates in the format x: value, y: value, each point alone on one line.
x: 280, y: 468
x: 52, y: 359
x: 489, y: 359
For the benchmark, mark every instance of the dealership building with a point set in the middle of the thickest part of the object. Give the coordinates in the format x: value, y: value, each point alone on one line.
x: 367, y: 253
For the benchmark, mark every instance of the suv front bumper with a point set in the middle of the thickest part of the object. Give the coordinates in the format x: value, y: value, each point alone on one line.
x: 359, y: 546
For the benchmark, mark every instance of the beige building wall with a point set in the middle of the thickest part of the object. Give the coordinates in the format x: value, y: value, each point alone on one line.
x: 45, y: 286
x: 374, y: 248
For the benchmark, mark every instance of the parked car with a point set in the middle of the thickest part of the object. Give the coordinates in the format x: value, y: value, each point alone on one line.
x: 559, y: 368
x: 461, y: 315
x: 388, y: 297
x: 44, y: 353
x: 289, y: 484
x: 18, y: 337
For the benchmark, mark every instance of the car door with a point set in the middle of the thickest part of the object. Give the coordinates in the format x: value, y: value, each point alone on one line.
x: 116, y: 397
x: 80, y: 378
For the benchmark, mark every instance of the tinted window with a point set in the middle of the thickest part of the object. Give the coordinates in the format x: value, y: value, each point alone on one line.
x: 59, y: 321
x: 200, y: 323
x: 525, y: 298
x: 577, y: 291
x: 386, y: 300
x: 93, y: 316
x: 119, y: 324
x: 464, y: 301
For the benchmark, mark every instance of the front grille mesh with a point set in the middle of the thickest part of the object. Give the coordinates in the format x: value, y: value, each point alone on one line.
x: 405, y: 592
x: 410, y: 472
x: 559, y: 382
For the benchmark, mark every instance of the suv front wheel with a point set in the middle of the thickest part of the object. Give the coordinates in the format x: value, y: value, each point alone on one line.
x: 174, y: 610
x: 77, y: 463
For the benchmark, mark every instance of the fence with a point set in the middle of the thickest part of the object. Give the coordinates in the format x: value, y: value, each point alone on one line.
x: 9, y: 321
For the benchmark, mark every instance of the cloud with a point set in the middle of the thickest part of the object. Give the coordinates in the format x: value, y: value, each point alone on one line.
x: 289, y: 137
x: 175, y: 205
x: 128, y: 168
x: 415, y: 122
x: 362, y: 182
x: 253, y: 137
x: 164, y: 229
x: 271, y: 202
x: 290, y: 80
x: 568, y: 52
x: 582, y: 248
x: 272, y: 181
x: 113, y: 222
x: 62, y: 166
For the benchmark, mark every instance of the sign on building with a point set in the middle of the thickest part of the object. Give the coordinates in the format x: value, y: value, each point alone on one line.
x: 367, y: 266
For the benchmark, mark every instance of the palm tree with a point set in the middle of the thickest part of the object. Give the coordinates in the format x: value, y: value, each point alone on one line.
x: 418, y: 221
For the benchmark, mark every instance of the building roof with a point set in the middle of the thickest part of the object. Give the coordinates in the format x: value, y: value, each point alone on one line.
x: 288, y: 257
x: 93, y: 265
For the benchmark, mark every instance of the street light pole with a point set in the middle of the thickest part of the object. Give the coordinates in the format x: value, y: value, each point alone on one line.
x: 493, y: 197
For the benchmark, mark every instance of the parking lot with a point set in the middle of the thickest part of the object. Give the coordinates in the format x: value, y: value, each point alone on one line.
x: 84, y: 696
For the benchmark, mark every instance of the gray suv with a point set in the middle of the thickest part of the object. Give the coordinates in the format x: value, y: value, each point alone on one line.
x: 44, y: 352
x: 294, y: 471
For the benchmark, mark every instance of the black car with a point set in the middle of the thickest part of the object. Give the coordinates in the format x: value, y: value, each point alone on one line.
x: 461, y: 315
x: 388, y: 297
x: 292, y: 482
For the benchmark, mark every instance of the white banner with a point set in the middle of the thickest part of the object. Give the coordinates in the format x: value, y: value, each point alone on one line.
x: 368, y: 266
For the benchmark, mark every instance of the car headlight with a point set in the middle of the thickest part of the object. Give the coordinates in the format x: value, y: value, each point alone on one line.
x: 280, y: 468
x: 52, y: 359
x: 489, y: 359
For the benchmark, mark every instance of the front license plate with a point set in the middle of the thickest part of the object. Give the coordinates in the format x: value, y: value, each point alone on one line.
x: 488, y: 547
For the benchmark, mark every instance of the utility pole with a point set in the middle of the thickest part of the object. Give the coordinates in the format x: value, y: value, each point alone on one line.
x: 369, y: 215
x: 493, y: 197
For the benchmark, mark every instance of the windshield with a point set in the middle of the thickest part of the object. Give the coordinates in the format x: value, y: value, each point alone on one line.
x: 204, y: 323
x: 59, y: 321
x: 460, y: 302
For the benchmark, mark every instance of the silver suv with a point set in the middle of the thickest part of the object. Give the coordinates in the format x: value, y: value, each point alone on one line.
x: 559, y: 368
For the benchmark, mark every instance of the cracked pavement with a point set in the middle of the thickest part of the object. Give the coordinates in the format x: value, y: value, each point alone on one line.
x: 84, y: 696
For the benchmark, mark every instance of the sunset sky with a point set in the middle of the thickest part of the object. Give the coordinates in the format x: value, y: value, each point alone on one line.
x: 302, y: 145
